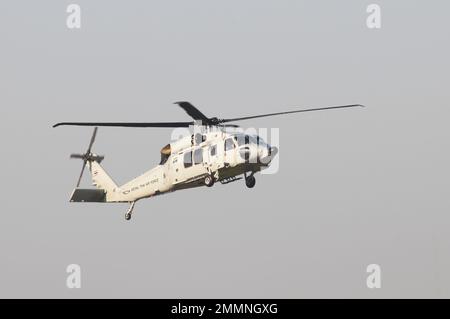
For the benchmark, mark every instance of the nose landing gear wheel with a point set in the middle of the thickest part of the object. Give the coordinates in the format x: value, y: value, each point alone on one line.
x: 250, y: 181
x: 209, y: 180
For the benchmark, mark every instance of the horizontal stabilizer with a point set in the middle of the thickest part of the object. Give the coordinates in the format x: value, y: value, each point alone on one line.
x: 81, y: 195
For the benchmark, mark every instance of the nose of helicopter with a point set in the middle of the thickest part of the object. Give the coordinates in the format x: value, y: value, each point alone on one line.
x: 267, y: 154
x: 273, y: 151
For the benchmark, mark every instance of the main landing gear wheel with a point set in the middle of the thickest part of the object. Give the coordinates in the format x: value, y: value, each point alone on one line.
x: 209, y: 180
x: 250, y: 181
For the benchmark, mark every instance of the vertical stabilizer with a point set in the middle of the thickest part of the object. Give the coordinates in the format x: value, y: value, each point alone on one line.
x: 101, y: 179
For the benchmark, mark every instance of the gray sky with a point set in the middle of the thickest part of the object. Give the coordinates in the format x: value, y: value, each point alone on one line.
x: 355, y: 187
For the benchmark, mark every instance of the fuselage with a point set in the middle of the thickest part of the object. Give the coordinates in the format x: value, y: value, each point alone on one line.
x: 186, y: 163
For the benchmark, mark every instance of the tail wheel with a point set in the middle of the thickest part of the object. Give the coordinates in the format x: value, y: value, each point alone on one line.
x: 129, y: 211
x: 250, y: 181
x: 209, y: 180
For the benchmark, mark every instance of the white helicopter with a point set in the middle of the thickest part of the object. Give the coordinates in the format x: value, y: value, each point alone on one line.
x: 201, y: 159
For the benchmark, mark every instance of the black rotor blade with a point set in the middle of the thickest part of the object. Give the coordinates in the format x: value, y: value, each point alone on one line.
x: 193, y: 112
x: 289, y: 112
x: 127, y: 124
x: 94, y: 134
x: 98, y: 158
x: 81, y: 174
x: 81, y: 156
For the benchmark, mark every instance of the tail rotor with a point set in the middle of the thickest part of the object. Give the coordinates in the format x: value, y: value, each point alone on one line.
x: 88, y: 156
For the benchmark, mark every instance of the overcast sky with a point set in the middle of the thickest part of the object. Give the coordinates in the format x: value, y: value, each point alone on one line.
x: 354, y: 187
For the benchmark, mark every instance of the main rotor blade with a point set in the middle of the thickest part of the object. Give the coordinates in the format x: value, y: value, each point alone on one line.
x: 92, y: 140
x: 193, y: 112
x: 289, y: 112
x: 127, y: 124
x: 81, y: 174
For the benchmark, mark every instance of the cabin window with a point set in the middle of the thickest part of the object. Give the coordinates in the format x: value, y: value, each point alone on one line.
x: 229, y: 144
x: 198, y: 156
x: 187, y: 159
x: 213, y: 150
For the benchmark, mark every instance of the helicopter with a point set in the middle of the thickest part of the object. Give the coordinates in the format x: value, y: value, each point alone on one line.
x: 212, y: 154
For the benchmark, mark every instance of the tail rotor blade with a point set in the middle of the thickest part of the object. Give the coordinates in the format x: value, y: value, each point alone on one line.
x: 81, y: 174
x: 88, y: 156
x: 79, y: 156
x: 92, y: 140
x: 99, y: 158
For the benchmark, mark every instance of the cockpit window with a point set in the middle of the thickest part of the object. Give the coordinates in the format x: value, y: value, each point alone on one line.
x: 229, y: 144
x: 242, y: 139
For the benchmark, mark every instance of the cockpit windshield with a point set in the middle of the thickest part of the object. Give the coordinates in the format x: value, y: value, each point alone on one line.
x: 261, y: 142
x: 249, y: 139
x: 242, y: 139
